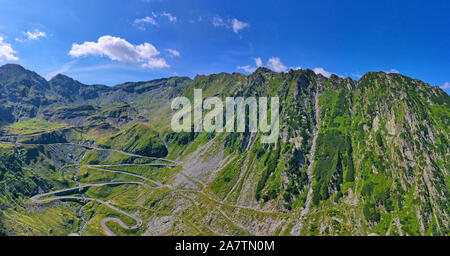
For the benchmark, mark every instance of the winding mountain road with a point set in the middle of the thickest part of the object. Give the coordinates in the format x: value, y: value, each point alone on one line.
x: 158, y: 184
x: 104, y: 221
x: 37, y: 198
x: 42, y: 198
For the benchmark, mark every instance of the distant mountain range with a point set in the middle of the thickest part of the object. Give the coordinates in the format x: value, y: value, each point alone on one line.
x: 353, y: 158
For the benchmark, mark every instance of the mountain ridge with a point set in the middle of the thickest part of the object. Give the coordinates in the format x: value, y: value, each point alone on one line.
x: 60, y: 76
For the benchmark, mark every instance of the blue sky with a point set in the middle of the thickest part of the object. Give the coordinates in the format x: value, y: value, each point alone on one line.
x: 111, y: 42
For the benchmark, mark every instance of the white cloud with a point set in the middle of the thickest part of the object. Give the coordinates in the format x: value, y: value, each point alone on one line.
x: 238, y: 25
x: 119, y: 49
x: 276, y: 65
x: 174, y: 53
x: 393, y: 71
x: 31, y: 35
x: 6, y: 51
x: 357, y: 75
x: 155, y: 63
x: 247, y: 68
x: 295, y: 68
x: 445, y: 86
x: 140, y: 23
x: 218, y: 21
x: 149, y: 1
x: 34, y: 35
x: 258, y: 62
x: 322, y: 72
x: 234, y: 24
x: 99, y: 67
x: 62, y: 69
x: 146, y: 19
x: 169, y: 16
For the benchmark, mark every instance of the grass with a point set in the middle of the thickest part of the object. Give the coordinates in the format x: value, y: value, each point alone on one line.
x: 160, y: 174
x: 227, y: 177
x: 100, y: 156
x: 6, y: 146
x: 54, y: 219
x: 33, y: 126
x: 140, y: 139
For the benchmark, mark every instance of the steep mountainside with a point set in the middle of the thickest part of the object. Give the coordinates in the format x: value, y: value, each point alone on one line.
x: 353, y: 157
x: 22, y: 93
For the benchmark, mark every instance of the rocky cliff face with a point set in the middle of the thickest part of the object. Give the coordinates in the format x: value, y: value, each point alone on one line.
x: 22, y: 92
x: 353, y: 157
x: 400, y: 134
